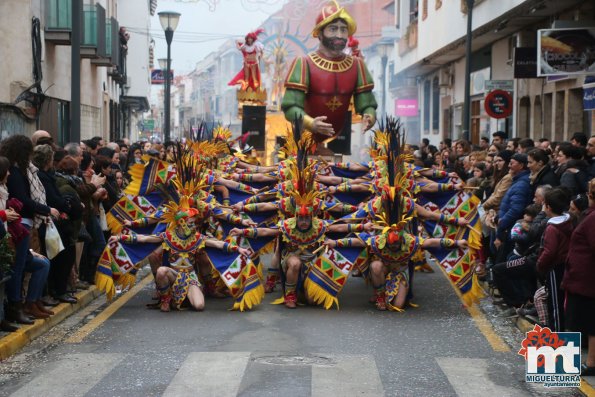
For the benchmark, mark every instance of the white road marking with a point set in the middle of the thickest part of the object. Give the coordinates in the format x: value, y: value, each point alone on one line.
x: 469, y: 377
x: 350, y: 376
x: 209, y: 374
x: 72, y: 376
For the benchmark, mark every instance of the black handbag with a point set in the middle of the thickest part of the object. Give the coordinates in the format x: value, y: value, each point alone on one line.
x: 84, y: 236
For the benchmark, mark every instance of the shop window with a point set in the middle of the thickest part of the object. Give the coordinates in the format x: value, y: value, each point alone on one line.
x: 426, y: 108
x: 547, y: 116
x: 537, y: 119
x: 524, y: 120
x: 435, y: 105
x: 559, y: 116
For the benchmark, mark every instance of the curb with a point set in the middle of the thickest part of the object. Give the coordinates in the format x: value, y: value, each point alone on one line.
x: 15, y: 341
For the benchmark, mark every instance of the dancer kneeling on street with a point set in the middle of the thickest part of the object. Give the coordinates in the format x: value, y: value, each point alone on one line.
x: 183, y: 254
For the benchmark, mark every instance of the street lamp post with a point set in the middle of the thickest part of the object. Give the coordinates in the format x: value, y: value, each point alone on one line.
x: 169, y: 22
x: 384, y: 47
x: 163, y: 67
x: 467, y: 104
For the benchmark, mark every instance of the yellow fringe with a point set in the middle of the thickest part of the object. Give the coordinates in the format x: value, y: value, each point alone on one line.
x: 475, y: 237
x: 115, y: 226
x: 250, y: 299
x: 319, y: 295
x: 474, y: 294
x: 470, y: 297
x: 105, y: 284
x: 126, y: 281
x: 136, y: 172
x: 259, y: 271
x: 278, y: 301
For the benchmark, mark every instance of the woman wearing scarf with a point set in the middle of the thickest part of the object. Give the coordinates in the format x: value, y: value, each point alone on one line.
x: 24, y: 185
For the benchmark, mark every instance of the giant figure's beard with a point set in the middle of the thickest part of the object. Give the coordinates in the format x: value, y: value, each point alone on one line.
x: 333, y: 43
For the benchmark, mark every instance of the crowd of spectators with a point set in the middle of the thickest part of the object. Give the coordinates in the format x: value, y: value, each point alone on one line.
x: 44, y: 188
x: 538, y: 217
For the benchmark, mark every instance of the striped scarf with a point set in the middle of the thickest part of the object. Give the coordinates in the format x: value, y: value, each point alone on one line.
x: 37, y: 192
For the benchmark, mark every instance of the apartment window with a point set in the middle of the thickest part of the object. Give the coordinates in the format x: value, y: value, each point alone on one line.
x: 511, y: 46
x: 413, y: 10
x: 435, y: 105
x: 438, y: 4
x: 424, y: 10
x: 55, y: 117
x: 398, y: 14
x: 427, y: 110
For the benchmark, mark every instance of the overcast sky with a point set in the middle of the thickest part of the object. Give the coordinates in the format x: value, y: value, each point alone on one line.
x: 205, y: 25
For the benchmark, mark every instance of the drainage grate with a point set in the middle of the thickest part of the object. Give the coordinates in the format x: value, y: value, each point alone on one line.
x: 320, y: 361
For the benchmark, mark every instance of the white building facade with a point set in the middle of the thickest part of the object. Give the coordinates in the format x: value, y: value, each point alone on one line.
x: 42, y: 100
x: 429, y: 69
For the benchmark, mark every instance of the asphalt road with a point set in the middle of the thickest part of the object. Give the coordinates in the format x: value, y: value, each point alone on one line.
x: 436, y: 349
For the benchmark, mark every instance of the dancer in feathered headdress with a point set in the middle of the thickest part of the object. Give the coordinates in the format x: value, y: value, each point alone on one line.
x: 252, y: 50
x: 395, y: 241
x: 181, y: 243
x: 304, y: 232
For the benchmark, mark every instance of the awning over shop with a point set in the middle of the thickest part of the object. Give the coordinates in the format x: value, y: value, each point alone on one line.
x: 138, y: 103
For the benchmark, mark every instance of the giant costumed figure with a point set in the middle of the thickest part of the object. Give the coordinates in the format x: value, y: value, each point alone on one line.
x: 320, y: 85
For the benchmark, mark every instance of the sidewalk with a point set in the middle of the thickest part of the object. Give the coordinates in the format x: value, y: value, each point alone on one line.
x: 10, y: 343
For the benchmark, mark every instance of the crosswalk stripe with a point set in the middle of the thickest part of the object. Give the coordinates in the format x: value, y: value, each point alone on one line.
x: 209, y: 374
x: 72, y: 376
x: 348, y: 376
x: 470, y: 377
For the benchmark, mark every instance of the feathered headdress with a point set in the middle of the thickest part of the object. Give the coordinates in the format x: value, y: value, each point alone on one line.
x: 254, y: 35
x: 176, y: 213
x: 302, y: 173
x: 393, y: 217
x: 221, y: 133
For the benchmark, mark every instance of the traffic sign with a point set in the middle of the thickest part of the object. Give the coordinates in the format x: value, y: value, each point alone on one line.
x: 498, y: 104
x: 158, y: 76
x: 149, y: 125
x: 506, y: 85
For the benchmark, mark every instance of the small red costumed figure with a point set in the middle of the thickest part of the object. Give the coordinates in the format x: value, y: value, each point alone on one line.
x: 252, y: 51
x: 353, y: 48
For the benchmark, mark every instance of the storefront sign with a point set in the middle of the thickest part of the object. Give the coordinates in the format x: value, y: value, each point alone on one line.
x: 158, y: 76
x: 565, y: 51
x: 589, y: 93
x: 525, y: 62
x: 406, y: 107
x: 498, y: 104
x: 506, y: 85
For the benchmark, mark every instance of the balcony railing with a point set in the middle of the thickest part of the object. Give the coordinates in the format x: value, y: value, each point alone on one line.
x: 58, y: 21
x: 110, y: 57
x: 93, y: 37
